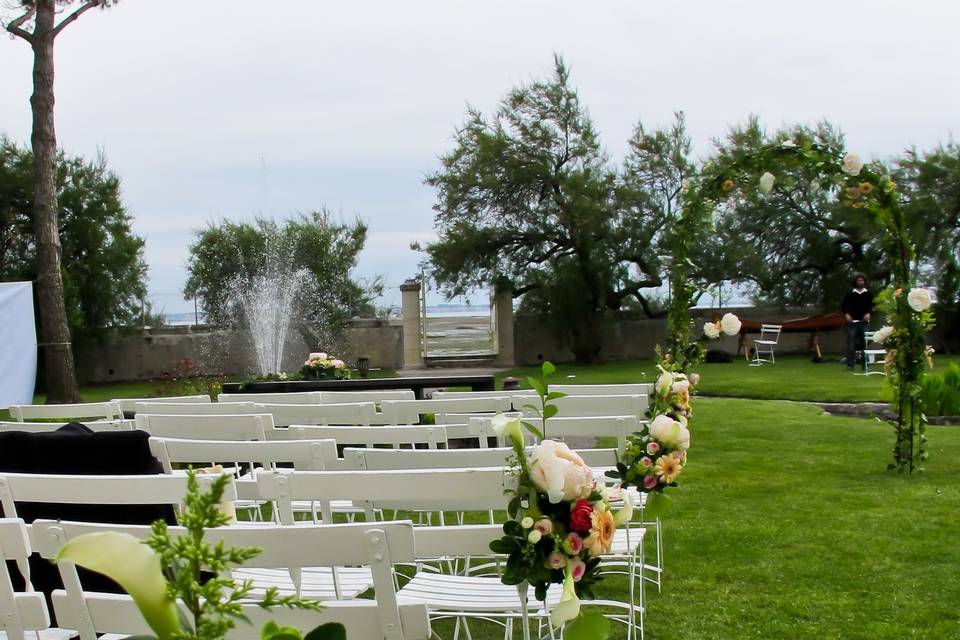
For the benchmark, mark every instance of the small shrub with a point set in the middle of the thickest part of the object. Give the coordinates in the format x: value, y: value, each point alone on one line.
x: 187, y: 380
x: 941, y: 393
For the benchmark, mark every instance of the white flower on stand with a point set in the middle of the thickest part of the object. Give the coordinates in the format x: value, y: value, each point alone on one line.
x: 852, y: 164
x: 730, y: 324
x: 883, y: 334
x: 789, y: 144
x: 919, y: 299
x: 670, y: 433
x: 711, y: 330
x: 766, y: 182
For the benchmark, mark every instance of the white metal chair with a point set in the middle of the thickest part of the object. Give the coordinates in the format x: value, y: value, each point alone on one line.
x: 359, y: 413
x: 290, y: 397
x: 22, y: 613
x: 98, y: 410
x: 766, y: 344
x: 874, y: 356
x: 293, y: 551
x: 45, y: 427
x: 397, y: 436
x: 336, y: 397
x: 589, y: 406
x: 205, y: 427
x: 195, y: 409
x: 129, y: 405
x: 409, y: 411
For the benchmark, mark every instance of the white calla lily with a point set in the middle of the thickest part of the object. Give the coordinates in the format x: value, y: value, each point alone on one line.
x: 569, y: 606
x: 766, y: 182
x: 132, y: 565
x: 510, y: 427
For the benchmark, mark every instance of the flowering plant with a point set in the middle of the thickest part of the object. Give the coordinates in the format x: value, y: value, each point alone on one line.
x: 322, y: 366
x: 561, y: 523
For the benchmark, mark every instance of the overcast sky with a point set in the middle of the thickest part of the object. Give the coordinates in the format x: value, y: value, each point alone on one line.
x: 210, y: 109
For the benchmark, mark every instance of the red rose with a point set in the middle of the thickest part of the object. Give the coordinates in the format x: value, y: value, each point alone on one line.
x: 580, y: 515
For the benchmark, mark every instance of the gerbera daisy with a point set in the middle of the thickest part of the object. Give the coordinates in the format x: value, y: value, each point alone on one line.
x: 601, y: 533
x: 668, y: 468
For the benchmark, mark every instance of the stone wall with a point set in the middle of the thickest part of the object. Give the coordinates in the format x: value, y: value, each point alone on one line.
x: 626, y: 337
x: 147, y: 354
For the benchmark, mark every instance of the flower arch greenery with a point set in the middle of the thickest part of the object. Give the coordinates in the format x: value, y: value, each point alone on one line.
x: 860, y: 186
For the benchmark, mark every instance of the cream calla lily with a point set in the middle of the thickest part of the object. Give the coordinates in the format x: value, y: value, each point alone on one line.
x: 625, y: 513
x: 132, y: 565
x: 510, y: 427
x: 569, y: 606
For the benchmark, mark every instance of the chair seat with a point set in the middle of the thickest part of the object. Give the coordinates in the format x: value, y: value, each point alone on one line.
x: 765, y: 342
x: 475, y: 594
x: 53, y: 633
x: 316, y: 583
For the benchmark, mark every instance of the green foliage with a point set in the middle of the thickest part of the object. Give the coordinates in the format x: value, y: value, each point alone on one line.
x: 528, y: 200
x: 544, y: 410
x: 214, y: 602
x: 102, y: 260
x: 941, y: 393
x: 229, y: 253
x: 185, y: 379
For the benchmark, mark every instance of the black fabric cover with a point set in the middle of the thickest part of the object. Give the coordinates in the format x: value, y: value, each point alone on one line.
x: 75, y: 449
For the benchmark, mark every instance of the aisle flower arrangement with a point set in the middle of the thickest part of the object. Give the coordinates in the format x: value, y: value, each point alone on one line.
x: 561, y: 522
x: 323, y: 366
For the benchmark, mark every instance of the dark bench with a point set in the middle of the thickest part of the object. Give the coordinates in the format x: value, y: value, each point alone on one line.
x: 417, y: 384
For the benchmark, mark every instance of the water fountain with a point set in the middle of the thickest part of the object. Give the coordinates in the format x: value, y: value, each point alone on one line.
x: 268, y: 304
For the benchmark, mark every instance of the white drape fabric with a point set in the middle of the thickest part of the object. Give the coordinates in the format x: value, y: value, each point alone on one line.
x: 18, y: 344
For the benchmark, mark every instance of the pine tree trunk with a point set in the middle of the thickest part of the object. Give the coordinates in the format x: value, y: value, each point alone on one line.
x: 54, y: 331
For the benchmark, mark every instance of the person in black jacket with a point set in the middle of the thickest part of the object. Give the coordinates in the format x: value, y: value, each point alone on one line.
x: 857, y: 306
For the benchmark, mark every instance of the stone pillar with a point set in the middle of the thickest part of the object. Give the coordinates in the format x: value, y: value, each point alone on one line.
x: 504, y: 309
x: 412, y: 357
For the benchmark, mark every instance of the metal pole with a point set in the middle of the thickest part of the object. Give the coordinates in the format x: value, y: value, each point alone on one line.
x: 196, y: 313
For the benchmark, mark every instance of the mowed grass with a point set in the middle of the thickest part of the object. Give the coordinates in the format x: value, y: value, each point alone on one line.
x: 790, y: 378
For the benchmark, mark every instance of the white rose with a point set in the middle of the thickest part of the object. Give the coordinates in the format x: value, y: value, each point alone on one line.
x: 766, y: 182
x: 560, y: 472
x: 680, y: 386
x: 789, y: 144
x: 527, y: 522
x: 730, y: 324
x: 883, y: 334
x: 534, y: 536
x: 670, y: 433
x: 852, y: 164
x: 663, y: 382
x: 711, y: 330
x: 919, y: 299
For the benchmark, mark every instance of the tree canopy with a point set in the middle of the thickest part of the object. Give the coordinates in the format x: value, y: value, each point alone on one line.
x: 528, y: 199
x: 103, y: 268
x: 227, y: 253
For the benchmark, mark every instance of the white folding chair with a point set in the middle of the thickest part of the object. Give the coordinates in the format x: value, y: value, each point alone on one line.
x: 409, y: 411
x: 872, y: 356
x: 46, y: 427
x: 765, y: 345
x: 206, y: 427
x: 295, y: 552
x: 359, y: 413
x: 195, y: 409
x: 98, y: 410
x: 22, y: 613
x: 337, y: 397
x: 397, y: 436
x: 589, y: 406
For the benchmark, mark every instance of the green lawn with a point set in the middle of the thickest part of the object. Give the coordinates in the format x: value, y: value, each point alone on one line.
x: 791, y: 378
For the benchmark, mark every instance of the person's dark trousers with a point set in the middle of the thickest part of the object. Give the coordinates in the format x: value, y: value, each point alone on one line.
x: 856, y: 341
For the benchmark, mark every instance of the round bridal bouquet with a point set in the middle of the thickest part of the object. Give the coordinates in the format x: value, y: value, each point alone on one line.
x: 561, y: 522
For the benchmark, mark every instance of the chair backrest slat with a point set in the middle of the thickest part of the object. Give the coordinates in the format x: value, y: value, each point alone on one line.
x: 129, y: 405
x: 618, y: 427
x: 395, y: 436
x: 591, y: 406
x: 195, y: 409
x: 291, y: 397
x: 337, y: 397
x: 409, y: 411
x: 639, y: 388
x: 359, y: 413
x: 206, y: 427
x: 46, y: 427
x: 105, y: 410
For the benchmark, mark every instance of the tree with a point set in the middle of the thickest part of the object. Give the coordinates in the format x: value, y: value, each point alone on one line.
x: 798, y: 244
x: 528, y: 200
x: 226, y: 255
x: 54, y: 329
x: 103, y: 266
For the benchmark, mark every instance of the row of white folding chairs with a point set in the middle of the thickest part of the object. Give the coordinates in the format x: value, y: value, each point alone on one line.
x: 44, y: 427
x: 377, y: 545
x: 319, y: 397
x: 474, y: 489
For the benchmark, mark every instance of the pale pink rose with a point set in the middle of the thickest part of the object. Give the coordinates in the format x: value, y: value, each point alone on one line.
x: 670, y: 433
x: 646, y: 462
x: 544, y: 526
x: 560, y: 472
x: 694, y: 379
x: 652, y: 448
x: 680, y: 386
x: 577, y: 568
x: 649, y: 482
x: 556, y: 560
x: 317, y: 356
x: 337, y: 364
x: 573, y: 543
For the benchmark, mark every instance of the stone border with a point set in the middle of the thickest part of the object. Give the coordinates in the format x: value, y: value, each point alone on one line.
x: 876, y: 410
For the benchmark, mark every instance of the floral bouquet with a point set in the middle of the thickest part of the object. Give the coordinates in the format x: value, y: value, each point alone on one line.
x: 322, y: 366
x: 655, y: 455
x: 561, y: 524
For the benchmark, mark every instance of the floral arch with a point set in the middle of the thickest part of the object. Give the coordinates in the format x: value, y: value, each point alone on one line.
x: 857, y: 185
